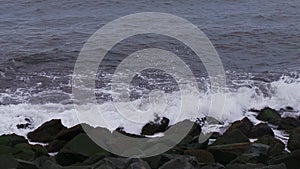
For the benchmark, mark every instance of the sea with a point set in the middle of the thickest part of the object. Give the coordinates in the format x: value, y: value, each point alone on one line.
x: 257, y: 41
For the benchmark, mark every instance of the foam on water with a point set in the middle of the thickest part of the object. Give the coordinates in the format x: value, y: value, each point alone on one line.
x: 281, y: 93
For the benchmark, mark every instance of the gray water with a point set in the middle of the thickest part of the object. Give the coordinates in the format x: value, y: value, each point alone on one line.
x: 257, y: 41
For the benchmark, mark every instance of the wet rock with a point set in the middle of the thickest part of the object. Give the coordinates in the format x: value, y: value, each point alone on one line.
x: 24, y: 126
x: 244, y: 125
x: 46, y: 163
x: 257, y: 153
x: 12, y: 140
x: 234, y: 136
x: 77, y: 150
x: 137, y: 164
x: 276, y: 146
x: 22, y: 164
x: 260, y: 130
x: 294, y: 140
x: 156, y: 126
x: 70, y: 133
x: 224, y: 154
x: 293, y: 161
x: 46, y: 132
x: 55, y: 145
x: 202, y: 156
x: 180, y: 163
x: 288, y: 123
x: 122, y: 131
x: 270, y: 115
x: 8, y: 161
x: 255, y: 166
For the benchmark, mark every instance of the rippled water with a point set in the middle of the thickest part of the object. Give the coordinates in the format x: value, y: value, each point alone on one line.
x: 258, y: 43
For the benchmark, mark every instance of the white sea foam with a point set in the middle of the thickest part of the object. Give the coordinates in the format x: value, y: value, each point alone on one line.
x: 282, y: 93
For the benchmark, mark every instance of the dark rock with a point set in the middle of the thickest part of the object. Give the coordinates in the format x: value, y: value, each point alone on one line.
x: 55, y: 145
x: 22, y: 164
x: 276, y: 146
x: 122, y: 131
x: 46, y: 163
x: 288, y: 123
x: 294, y: 140
x: 260, y: 130
x: 202, y: 156
x: 46, y: 132
x: 180, y: 163
x: 270, y: 115
x: 224, y: 154
x: 244, y: 125
x: 24, y: 126
x: 257, y: 153
x: 233, y: 136
x: 156, y: 126
x: 255, y: 166
x: 70, y: 133
x: 137, y: 164
x: 292, y: 161
x: 8, y: 161
x: 12, y: 140
x: 111, y: 163
x: 77, y: 150
x: 29, y: 152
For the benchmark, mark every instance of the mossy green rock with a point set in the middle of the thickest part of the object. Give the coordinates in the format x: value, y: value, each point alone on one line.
x: 77, y: 150
x: 12, y: 140
x: 270, y: 115
x: 276, y: 146
x: 294, y: 140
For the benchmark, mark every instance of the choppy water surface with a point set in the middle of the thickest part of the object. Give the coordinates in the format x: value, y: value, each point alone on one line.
x: 258, y: 42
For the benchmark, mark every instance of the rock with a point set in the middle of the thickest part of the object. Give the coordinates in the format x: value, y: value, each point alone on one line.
x: 12, y: 140
x: 244, y: 125
x: 122, y: 131
x: 46, y: 132
x: 260, y: 130
x: 156, y: 126
x: 257, y: 153
x: 46, y: 163
x: 233, y: 136
x: 255, y: 166
x: 137, y: 164
x: 29, y: 152
x: 288, y: 123
x: 70, y: 133
x: 224, y: 154
x: 202, y: 156
x: 276, y: 146
x: 55, y: 145
x: 77, y: 150
x: 270, y: 115
x: 294, y: 140
x: 111, y: 163
x: 292, y: 160
x: 22, y: 164
x: 180, y: 163
x: 24, y: 126
x: 8, y: 161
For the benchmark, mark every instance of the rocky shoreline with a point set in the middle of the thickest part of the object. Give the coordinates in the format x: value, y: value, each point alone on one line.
x: 242, y: 146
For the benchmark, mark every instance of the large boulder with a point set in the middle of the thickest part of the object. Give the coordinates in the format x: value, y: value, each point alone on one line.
x: 260, y: 130
x: 202, y: 156
x: 77, y: 150
x: 257, y: 153
x: 181, y: 163
x: 294, y: 140
x: 156, y: 126
x: 55, y: 145
x: 224, y: 154
x: 46, y: 132
x: 12, y: 140
x: 276, y: 146
x: 270, y: 115
x: 288, y: 123
x: 244, y: 125
x: 70, y: 133
x: 234, y: 136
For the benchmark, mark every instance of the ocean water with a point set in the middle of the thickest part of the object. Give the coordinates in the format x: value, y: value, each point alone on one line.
x: 258, y: 43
